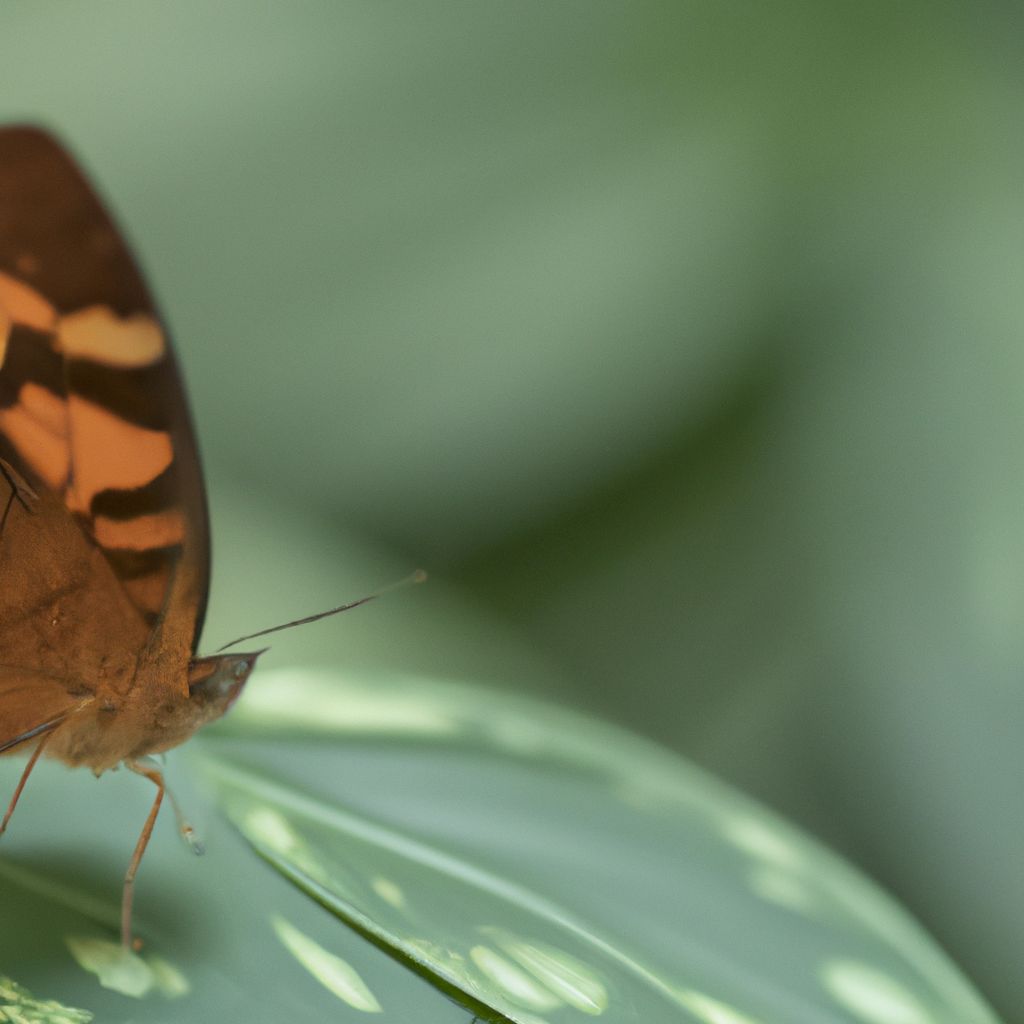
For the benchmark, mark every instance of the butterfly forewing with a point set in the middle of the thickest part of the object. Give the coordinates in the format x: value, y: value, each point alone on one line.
x: 104, y: 537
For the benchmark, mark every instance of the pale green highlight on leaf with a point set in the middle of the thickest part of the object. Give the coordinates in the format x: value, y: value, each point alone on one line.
x: 514, y: 982
x: 712, y: 1011
x: 335, y: 974
x: 782, y: 888
x: 312, y: 701
x: 271, y: 828
x: 568, y: 978
x: 116, y: 968
x: 872, y: 995
x: 390, y: 892
x: 870, y: 907
x: 170, y: 982
x: 19, y: 1006
x: 126, y: 972
x: 758, y: 838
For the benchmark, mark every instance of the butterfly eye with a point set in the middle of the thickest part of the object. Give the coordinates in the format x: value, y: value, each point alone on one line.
x: 241, y: 668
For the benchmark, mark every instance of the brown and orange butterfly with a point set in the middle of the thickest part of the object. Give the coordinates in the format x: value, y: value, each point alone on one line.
x: 104, y: 546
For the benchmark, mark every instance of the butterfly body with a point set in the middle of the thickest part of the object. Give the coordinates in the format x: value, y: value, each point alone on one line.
x: 104, y: 550
x: 134, y: 713
x: 104, y: 560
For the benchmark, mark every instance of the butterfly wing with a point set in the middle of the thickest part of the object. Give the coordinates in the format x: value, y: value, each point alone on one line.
x: 104, y: 547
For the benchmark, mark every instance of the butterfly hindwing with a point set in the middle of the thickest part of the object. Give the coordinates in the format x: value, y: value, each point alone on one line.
x: 104, y: 539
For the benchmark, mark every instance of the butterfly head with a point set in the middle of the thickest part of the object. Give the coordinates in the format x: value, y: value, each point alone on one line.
x: 214, y: 683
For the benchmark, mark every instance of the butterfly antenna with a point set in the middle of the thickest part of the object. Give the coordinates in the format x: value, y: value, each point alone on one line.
x: 419, y: 576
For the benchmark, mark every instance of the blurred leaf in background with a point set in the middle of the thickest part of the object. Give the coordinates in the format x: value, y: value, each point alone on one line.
x: 683, y: 341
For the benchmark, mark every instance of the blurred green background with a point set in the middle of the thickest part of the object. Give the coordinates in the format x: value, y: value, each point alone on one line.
x: 681, y: 343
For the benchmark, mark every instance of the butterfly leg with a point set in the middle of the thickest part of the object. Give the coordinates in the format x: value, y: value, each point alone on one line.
x: 156, y: 777
x: 24, y: 778
x: 185, y: 829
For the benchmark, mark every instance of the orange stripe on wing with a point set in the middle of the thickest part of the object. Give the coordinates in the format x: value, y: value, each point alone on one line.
x: 149, y: 592
x: 101, y: 336
x: 143, y: 533
x: 109, y: 453
x: 24, y: 305
x: 46, y: 408
x: 43, y: 450
x: 5, y: 333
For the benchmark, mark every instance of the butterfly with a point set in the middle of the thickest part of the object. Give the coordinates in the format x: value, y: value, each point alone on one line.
x: 104, y: 535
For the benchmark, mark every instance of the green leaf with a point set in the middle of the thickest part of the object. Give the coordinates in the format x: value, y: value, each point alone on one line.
x: 544, y: 863
x: 467, y: 855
